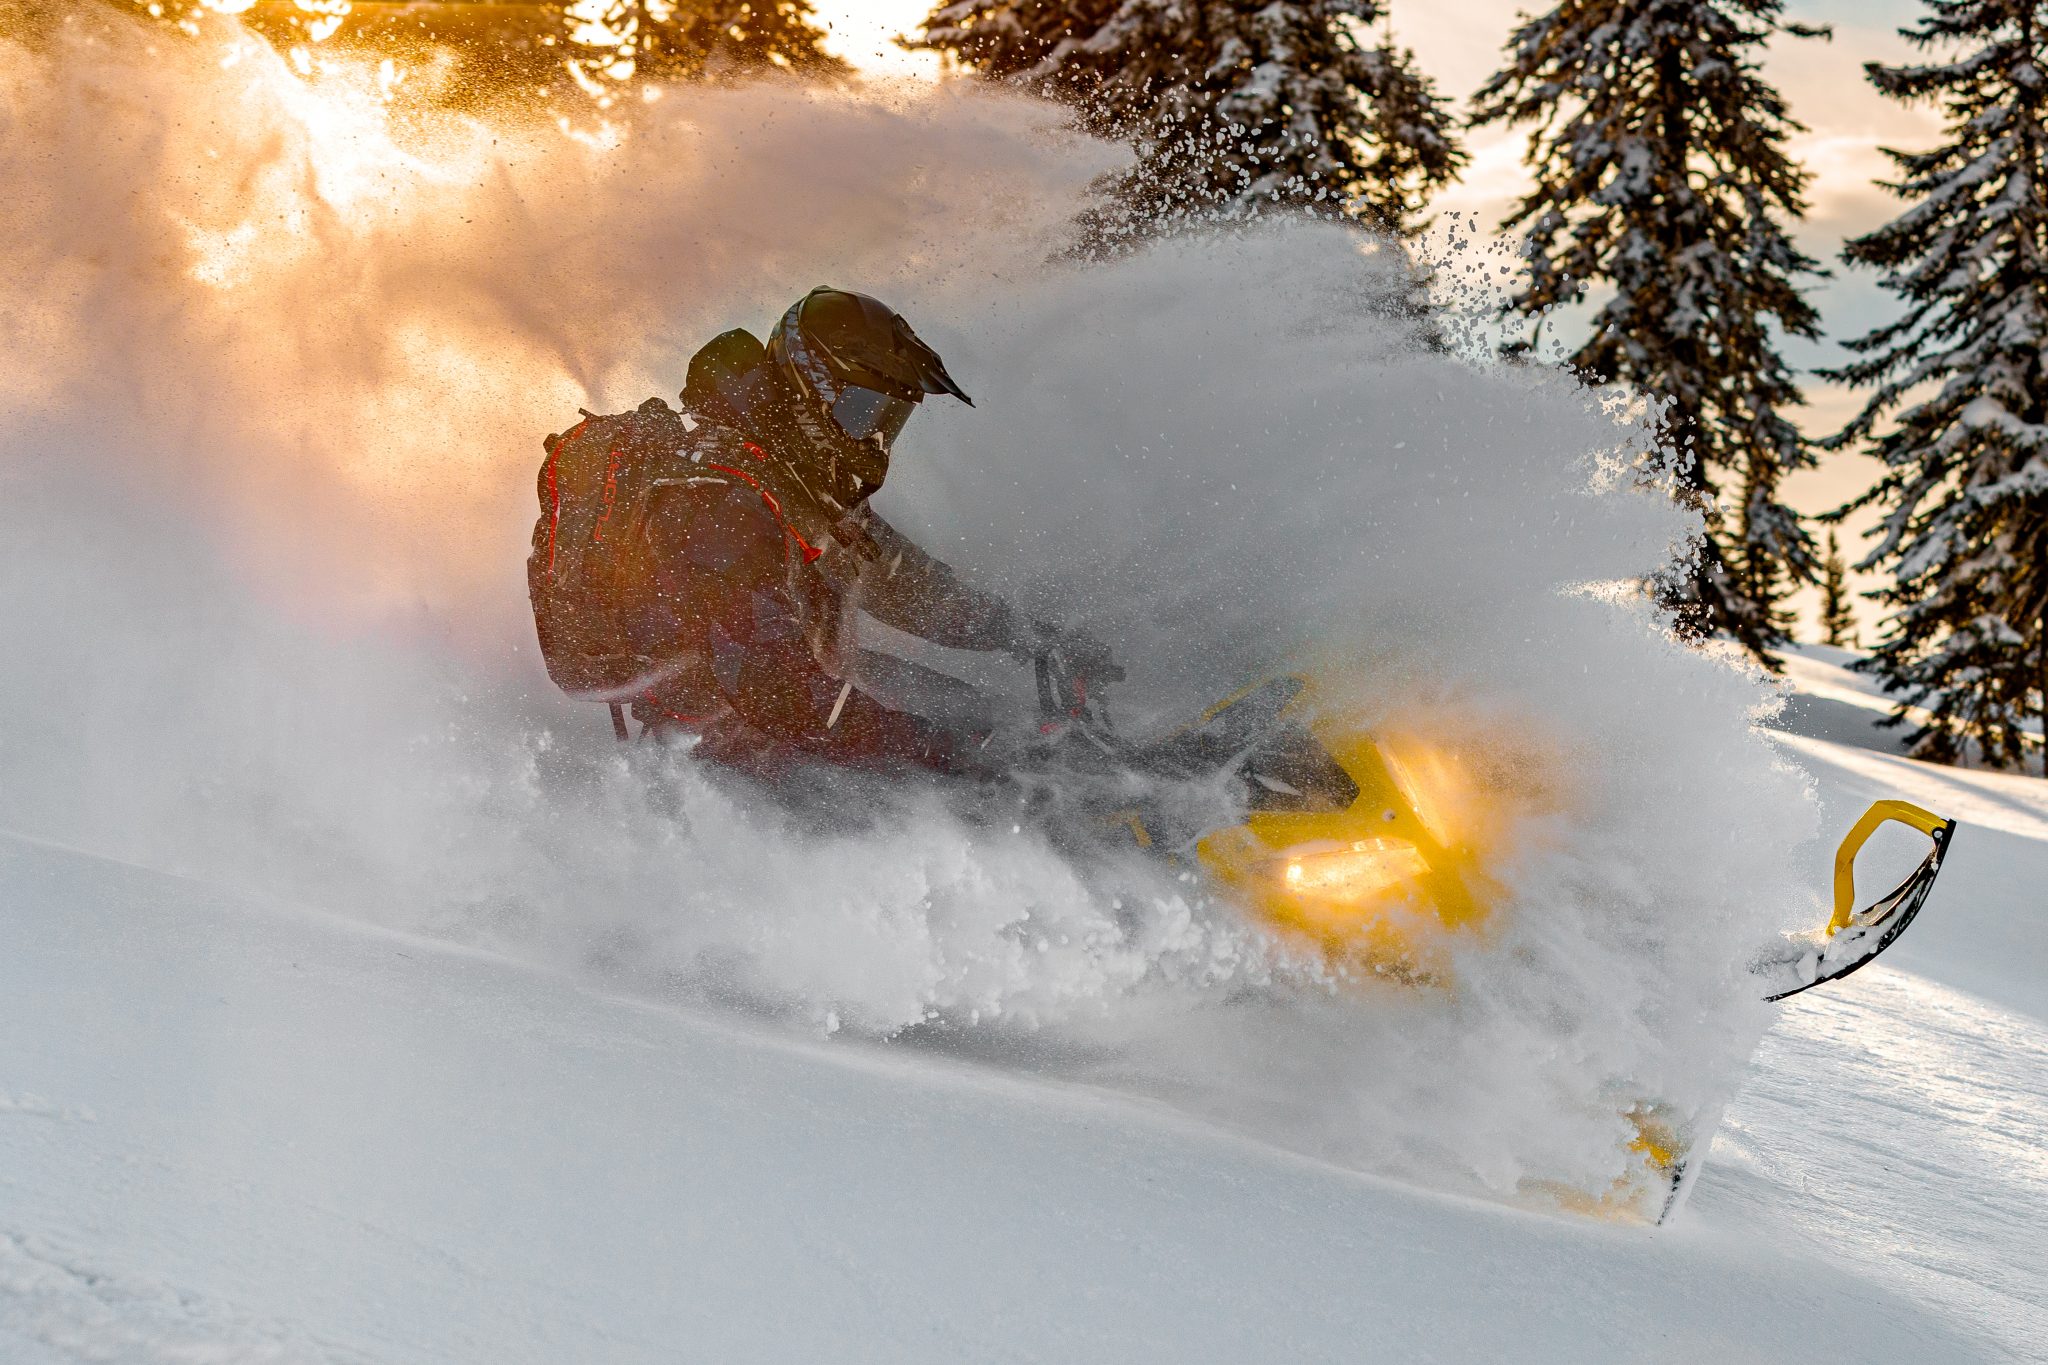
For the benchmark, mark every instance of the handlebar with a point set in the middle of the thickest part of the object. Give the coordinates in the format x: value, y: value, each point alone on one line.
x: 1064, y: 696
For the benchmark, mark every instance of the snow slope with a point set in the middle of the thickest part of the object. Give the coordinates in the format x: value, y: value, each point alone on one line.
x: 1900, y: 1118
x: 237, y: 1127
x: 234, y: 1130
x: 1830, y: 701
x: 282, y: 345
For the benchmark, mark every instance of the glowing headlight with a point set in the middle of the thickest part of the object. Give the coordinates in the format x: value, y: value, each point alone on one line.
x: 1350, y: 874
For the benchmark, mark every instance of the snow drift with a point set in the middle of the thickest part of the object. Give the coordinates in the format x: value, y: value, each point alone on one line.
x: 284, y: 349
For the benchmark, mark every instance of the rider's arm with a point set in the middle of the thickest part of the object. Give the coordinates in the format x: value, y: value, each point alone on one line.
x: 906, y: 588
x: 719, y: 547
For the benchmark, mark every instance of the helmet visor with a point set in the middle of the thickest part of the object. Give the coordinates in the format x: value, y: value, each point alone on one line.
x: 862, y: 413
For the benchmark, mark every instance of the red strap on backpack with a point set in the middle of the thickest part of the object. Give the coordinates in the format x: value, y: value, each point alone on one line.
x: 810, y: 551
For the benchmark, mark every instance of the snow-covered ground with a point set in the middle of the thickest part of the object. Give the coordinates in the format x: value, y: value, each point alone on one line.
x: 352, y: 1009
x: 235, y: 1130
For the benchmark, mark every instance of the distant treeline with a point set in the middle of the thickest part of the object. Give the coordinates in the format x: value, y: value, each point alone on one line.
x: 1663, y: 184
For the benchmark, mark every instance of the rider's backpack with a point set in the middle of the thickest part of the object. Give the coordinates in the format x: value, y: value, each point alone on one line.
x: 590, y: 557
x: 589, y: 560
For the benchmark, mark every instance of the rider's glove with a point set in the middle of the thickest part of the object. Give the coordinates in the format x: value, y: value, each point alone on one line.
x: 1077, y: 653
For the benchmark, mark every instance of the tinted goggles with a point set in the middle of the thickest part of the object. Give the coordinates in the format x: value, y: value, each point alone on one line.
x: 862, y: 413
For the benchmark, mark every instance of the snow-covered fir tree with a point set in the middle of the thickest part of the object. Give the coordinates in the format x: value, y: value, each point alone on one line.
x: 1234, y: 106
x: 1837, y: 623
x: 1659, y: 156
x: 1961, y: 373
x: 1012, y: 39
x: 612, y: 43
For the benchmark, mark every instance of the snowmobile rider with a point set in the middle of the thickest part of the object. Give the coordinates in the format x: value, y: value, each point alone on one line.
x: 703, y: 566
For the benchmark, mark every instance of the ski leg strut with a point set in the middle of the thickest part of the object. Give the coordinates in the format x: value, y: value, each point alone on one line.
x: 1852, y: 937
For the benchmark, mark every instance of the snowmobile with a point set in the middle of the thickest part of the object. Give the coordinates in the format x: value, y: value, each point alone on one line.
x: 1367, y: 852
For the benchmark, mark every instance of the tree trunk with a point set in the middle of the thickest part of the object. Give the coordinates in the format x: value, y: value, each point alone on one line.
x: 2041, y: 712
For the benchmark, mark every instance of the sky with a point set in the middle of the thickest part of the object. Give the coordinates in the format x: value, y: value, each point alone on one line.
x: 1459, y: 44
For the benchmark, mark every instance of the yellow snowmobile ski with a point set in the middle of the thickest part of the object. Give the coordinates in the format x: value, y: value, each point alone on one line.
x: 1853, y: 936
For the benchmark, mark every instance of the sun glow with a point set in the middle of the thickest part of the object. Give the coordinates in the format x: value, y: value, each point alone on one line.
x: 344, y: 110
x: 864, y: 32
x: 335, y: 114
x: 315, y: 21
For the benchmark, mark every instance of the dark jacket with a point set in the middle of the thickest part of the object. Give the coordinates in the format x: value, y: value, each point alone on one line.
x: 735, y: 619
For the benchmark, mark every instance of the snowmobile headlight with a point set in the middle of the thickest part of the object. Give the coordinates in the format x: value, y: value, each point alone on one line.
x: 1351, y: 874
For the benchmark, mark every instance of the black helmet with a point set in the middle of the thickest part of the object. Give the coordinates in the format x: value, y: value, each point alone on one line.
x: 856, y: 358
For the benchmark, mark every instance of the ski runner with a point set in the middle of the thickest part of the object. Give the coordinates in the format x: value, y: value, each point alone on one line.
x: 701, y: 567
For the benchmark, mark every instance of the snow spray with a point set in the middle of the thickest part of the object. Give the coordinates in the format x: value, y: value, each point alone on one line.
x: 284, y: 337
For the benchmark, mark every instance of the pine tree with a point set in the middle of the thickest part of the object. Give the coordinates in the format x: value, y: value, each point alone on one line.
x: 615, y: 42
x: 1837, y: 626
x: 1965, y: 488
x: 1016, y: 39
x: 1659, y: 154
x: 1234, y: 106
